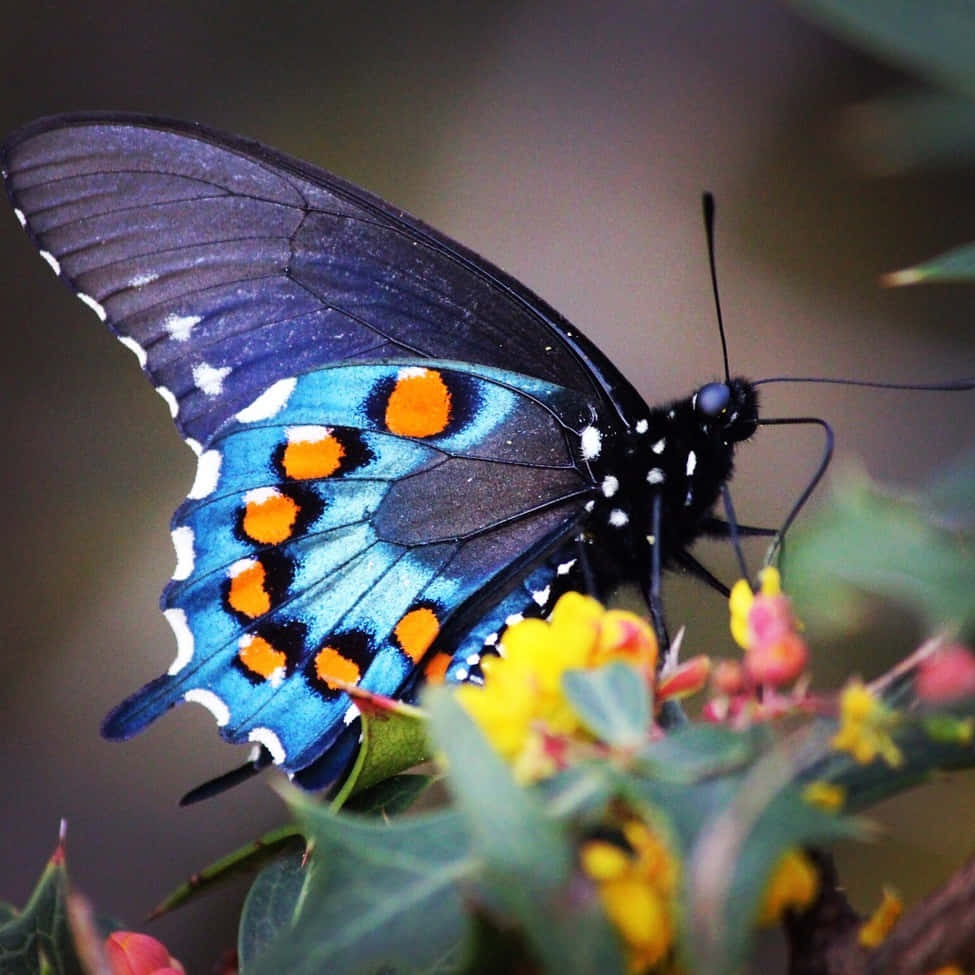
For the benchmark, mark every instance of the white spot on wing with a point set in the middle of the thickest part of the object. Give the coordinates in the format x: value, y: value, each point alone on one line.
x: 473, y: 659
x: 691, y: 462
x: 592, y: 442
x: 261, y: 495
x: 132, y: 346
x: 215, y: 705
x: 513, y: 618
x: 270, y: 403
x: 141, y: 280
x: 491, y: 639
x: 618, y: 518
x: 655, y: 476
x: 411, y: 372
x: 21, y: 219
x: 461, y: 674
x: 307, y: 434
x: 52, y: 260
x: 351, y: 713
x: 176, y: 618
x: 194, y: 445
x: 660, y: 446
x: 207, y: 475
x: 180, y: 326
x: 209, y: 379
x: 241, y: 565
x: 267, y: 738
x: 541, y: 595
x: 610, y: 485
x: 95, y: 306
x: 183, y: 539
x: 589, y: 505
x: 169, y: 400
x: 565, y: 568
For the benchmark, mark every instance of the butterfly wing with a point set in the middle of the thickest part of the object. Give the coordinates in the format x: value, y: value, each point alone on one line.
x: 226, y: 266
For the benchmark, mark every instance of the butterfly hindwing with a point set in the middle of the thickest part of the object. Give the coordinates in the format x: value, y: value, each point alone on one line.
x: 339, y: 523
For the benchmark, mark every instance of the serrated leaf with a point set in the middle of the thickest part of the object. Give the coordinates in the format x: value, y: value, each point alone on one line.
x: 39, y: 938
x: 376, y: 895
x: 871, y: 542
x: 933, y: 38
x: 613, y: 702
x: 269, y: 907
x: 393, y: 740
x: 526, y: 852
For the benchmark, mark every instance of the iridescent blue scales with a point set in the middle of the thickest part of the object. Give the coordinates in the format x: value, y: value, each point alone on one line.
x: 335, y: 526
x: 401, y: 448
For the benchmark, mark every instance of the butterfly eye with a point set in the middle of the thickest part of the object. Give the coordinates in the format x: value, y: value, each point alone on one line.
x: 712, y: 400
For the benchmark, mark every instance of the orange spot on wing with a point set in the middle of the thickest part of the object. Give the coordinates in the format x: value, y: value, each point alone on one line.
x: 416, y: 631
x: 247, y: 594
x: 436, y: 670
x: 271, y: 520
x: 306, y: 459
x: 331, y: 666
x: 260, y: 657
x: 419, y: 405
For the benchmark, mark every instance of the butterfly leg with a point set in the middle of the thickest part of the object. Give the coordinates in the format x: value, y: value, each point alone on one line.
x: 719, y: 528
x: 654, y: 597
x: 687, y: 561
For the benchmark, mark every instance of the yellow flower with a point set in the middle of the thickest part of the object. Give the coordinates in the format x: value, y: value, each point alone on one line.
x: 637, y: 882
x: 865, y: 726
x: 876, y: 928
x: 825, y: 795
x: 521, y: 707
x: 793, y: 885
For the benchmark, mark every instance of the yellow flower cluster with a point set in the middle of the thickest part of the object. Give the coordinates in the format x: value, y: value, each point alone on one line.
x: 521, y: 705
x: 865, y: 726
x: 793, y: 885
x: 637, y: 885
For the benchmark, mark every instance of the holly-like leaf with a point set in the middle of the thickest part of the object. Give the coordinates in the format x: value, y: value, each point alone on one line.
x: 269, y: 907
x: 377, y: 895
x: 613, y: 702
x: 38, y: 939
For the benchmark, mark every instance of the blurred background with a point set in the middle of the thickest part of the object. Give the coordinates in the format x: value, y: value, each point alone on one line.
x: 568, y: 142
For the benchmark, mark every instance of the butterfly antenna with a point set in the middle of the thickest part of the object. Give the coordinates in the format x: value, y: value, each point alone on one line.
x: 707, y: 201
x: 951, y: 386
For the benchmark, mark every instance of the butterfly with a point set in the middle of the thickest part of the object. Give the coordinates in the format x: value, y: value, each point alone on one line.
x: 400, y: 448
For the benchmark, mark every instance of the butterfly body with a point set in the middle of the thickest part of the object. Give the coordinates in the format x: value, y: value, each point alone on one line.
x: 400, y: 448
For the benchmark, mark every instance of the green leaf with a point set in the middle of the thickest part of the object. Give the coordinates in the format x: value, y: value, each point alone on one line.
x: 933, y: 38
x: 613, y: 702
x: 526, y: 853
x: 695, y: 751
x: 392, y: 741
x: 269, y: 907
x: 376, y: 894
x: 39, y: 938
x: 871, y: 542
x: 732, y: 858
x: 389, y: 797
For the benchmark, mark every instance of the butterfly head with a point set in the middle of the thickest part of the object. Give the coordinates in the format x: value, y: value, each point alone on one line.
x: 729, y: 409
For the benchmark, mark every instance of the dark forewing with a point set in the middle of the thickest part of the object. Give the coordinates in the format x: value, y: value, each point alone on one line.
x: 226, y: 266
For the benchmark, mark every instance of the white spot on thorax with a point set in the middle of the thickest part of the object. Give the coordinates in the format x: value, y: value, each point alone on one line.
x: 642, y: 426
x: 267, y: 738
x: 592, y: 442
x: 209, y: 700
x: 176, y: 618
x: 207, y: 475
x: 209, y: 379
x: 183, y: 539
x: 135, y: 349
x: 618, y: 518
x: 179, y: 326
x: 589, y: 505
x: 565, y: 568
x: 655, y: 476
x: 660, y: 446
x: 610, y: 485
x: 52, y: 260
x: 95, y: 306
x: 169, y: 400
x: 691, y: 462
x: 270, y: 403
